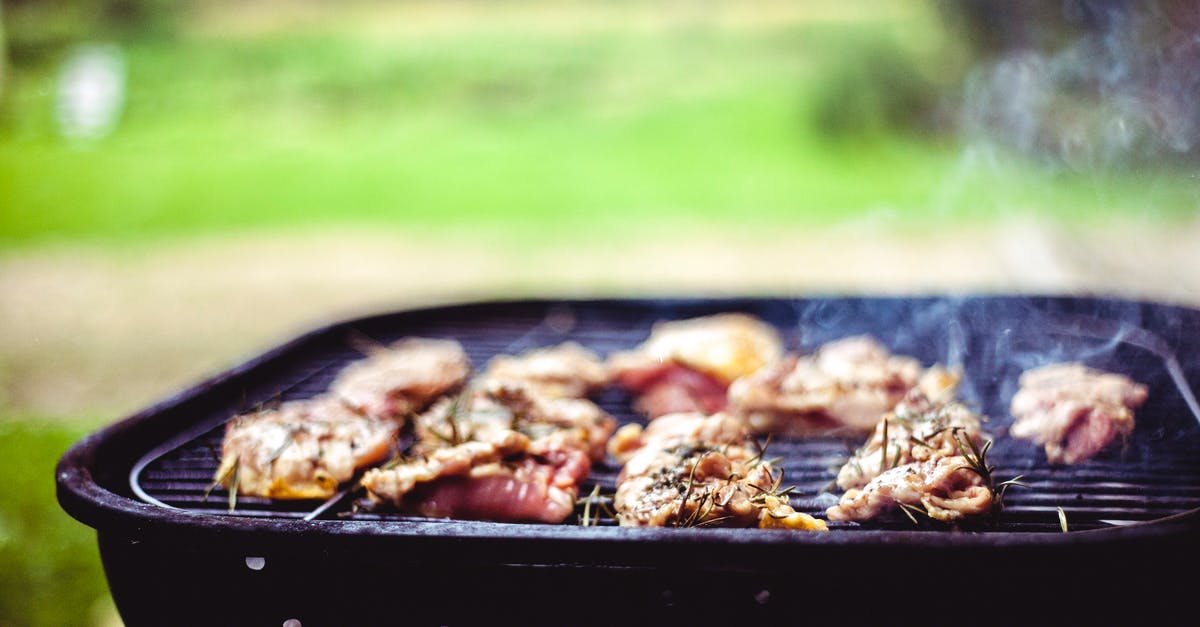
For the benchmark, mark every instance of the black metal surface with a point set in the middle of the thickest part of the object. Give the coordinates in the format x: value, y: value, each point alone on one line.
x: 1134, y: 504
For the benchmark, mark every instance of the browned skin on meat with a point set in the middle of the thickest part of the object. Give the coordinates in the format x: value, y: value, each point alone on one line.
x: 399, y: 380
x: 687, y: 365
x: 673, y: 429
x: 567, y: 370
x: 497, y: 479
x: 917, y: 430
x: 302, y: 449
x: 1073, y: 411
x: 512, y: 447
x: 550, y: 422
x: 700, y: 485
x: 690, y: 469
x: 843, y: 388
x: 943, y: 487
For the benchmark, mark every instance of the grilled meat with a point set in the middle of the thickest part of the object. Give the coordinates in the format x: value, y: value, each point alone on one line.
x: 492, y: 479
x: 701, y: 485
x: 687, y: 365
x: 402, y: 379
x: 550, y: 422
x: 917, y: 430
x: 1074, y: 411
x: 567, y: 370
x: 301, y: 449
x: 688, y: 469
x: 512, y: 447
x: 944, y: 488
x: 844, y: 387
x: 672, y: 429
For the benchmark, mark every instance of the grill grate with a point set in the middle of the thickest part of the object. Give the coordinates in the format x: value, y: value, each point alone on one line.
x: 1156, y: 475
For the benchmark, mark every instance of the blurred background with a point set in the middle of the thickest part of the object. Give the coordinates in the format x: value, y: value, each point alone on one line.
x: 183, y: 185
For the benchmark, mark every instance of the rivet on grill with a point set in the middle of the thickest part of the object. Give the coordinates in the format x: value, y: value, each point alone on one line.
x: 292, y: 622
x: 763, y: 597
x: 257, y: 563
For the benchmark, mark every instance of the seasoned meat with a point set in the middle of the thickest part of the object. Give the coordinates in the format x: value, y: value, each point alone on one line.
x: 687, y: 365
x: 1074, y: 411
x: 402, y: 379
x: 672, y: 429
x: 704, y: 485
x: 917, y: 430
x: 844, y: 387
x: 567, y: 370
x: 944, y: 488
x: 302, y: 449
x: 505, y: 449
x: 495, y: 479
x: 550, y: 422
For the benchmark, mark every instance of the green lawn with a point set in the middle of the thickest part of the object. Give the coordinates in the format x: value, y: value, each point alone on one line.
x: 51, y: 573
x: 545, y: 133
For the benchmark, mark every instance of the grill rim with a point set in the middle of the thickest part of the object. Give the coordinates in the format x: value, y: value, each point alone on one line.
x: 83, y: 497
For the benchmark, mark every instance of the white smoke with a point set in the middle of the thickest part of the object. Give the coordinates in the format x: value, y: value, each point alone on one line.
x: 1127, y: 89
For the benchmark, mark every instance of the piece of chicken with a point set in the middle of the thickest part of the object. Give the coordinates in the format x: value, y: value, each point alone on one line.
x: 550, y: 422
x: 567, y: 370
x: 844, y: 387
x: 1074, y: 411
x: 917, y: 430
x: 494, y: 479
x: 402, y: 379
x: 944, y: 488
x: 699, y: 485
x: 687, y: 365
x: 679, y: 428
x: 301, y: 449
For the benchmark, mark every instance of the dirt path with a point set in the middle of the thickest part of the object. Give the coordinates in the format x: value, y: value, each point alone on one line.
x: 98, y: 332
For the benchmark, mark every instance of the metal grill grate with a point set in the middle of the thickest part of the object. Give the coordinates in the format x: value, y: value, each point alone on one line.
x: 1156, y: 475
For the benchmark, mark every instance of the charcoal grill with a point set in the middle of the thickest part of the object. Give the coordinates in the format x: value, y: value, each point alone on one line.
x: 174, y: 553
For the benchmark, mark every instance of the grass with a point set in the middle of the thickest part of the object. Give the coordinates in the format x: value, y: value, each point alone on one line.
x: 52, y: 573
x: 548, y: 134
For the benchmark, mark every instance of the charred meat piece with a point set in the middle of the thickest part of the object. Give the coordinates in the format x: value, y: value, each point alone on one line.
x: 396, y: 381
x: 673, y: 429
x: 301, y: 449
x: 687, y: 365
x: 567, y: 370
x: 942, y: 488
x: 1074, y: 411
x: 844, y: 387
x: 917, y: 430
x: 700, y: 485
x: 496, y: 479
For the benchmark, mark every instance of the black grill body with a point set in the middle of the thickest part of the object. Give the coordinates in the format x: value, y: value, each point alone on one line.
x: 174, y: 555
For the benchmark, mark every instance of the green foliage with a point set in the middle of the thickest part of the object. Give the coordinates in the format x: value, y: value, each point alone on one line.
x: 51, y: 572
x: 875, y: 87
x: 545, y: 133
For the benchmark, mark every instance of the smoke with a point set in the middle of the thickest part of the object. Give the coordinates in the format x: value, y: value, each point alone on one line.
x: 1126, y: 89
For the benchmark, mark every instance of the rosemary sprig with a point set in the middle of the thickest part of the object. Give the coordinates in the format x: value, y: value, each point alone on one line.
x: 233, y: 488
x: 288, y: 438
x: 220, y: 480
x: 910, y: 510
x: 687, y: 493
x: 977, y: 463
x: 883, y: 447
x: 587, y: 507
x: 587, y: 519
x: 761, y: 450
